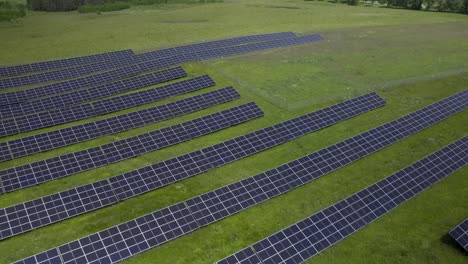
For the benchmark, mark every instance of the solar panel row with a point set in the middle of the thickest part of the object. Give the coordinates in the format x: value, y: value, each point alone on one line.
x: 153, y: 64
x: 38, y: 172
x: 460, y: 232
x: 64, y: 115
x: 71, y: 135
x: 89, y: 197
x: 42, y: 66
x: 98, y: 92
x: 67, y: 86
x: 172, y: 170
x: 227, y: 51
x: 319, y: 231
x: 132, y: 237
x: 63, y: 63
x: 212, y: 45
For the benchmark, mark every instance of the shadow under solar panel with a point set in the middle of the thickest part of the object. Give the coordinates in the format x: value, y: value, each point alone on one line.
x: 129, y: 60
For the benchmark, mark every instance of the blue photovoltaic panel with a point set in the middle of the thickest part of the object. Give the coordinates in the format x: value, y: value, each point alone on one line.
x: 101, y: 107
x: 157, y: 63
x: 67, y: 86
x: 71, y: 135
x: 95, y: 93
x: 227, y: 51
x: 308, y: 237
x: 248, y: 192
x: 191, y: 164
x: 63, y: 63
x: 89, y: 69
x: 201, y: 160
x: 460, y: 232
x: 212, y: 45
x: 53, y: 208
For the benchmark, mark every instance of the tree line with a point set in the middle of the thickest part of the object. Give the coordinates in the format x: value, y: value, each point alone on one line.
x: 458, y: 6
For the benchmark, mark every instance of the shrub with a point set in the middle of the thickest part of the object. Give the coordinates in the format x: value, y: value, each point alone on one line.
x: 53, y: 5
x: 106, y: 7
x: 10, y: 11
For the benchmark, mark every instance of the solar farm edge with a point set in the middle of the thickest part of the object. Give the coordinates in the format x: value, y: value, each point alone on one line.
x: 460, y: 234
x: 162, y: 63
x: 160, y: 54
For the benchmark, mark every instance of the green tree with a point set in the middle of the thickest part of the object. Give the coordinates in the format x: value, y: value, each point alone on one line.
x: 11, y: 11
x: 464, y: 7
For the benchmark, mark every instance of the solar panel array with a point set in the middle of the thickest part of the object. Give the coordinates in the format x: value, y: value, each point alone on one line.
x: 212, y: 45
x: 161, y: 174
x: 132, y: 237
x: 63, y: 63
x: 53, y: 208
x: 460, y: 232
x: 154, y: 64
x: 319, y: 231
x: 71, y: 135
x: 67, y: 86
x: 109, y: 64
x: 98, y: 92
x: 76, y: 162
x: 64, y: 115
x: 227, y: 51
x: 233, y: 198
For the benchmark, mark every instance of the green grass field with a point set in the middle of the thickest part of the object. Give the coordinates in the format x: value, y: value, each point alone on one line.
x: 410, y: 58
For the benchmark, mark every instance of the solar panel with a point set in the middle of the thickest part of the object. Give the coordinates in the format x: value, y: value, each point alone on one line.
x: 63, y: 63
x: 319, y: 231
x: 89, y: 197
x: 335, y: 222
x: 95, y: 93
x: 153, y: 64
x: 67, y: 86
x: 460, y: 232
x: 89, y: 69
x: 212, y: 45
x: 226, y: 51
x: 66, y: 136
x: 155, y: 176
x: 201, y: 160
x: 64, y: 115
x: 95, y: 157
